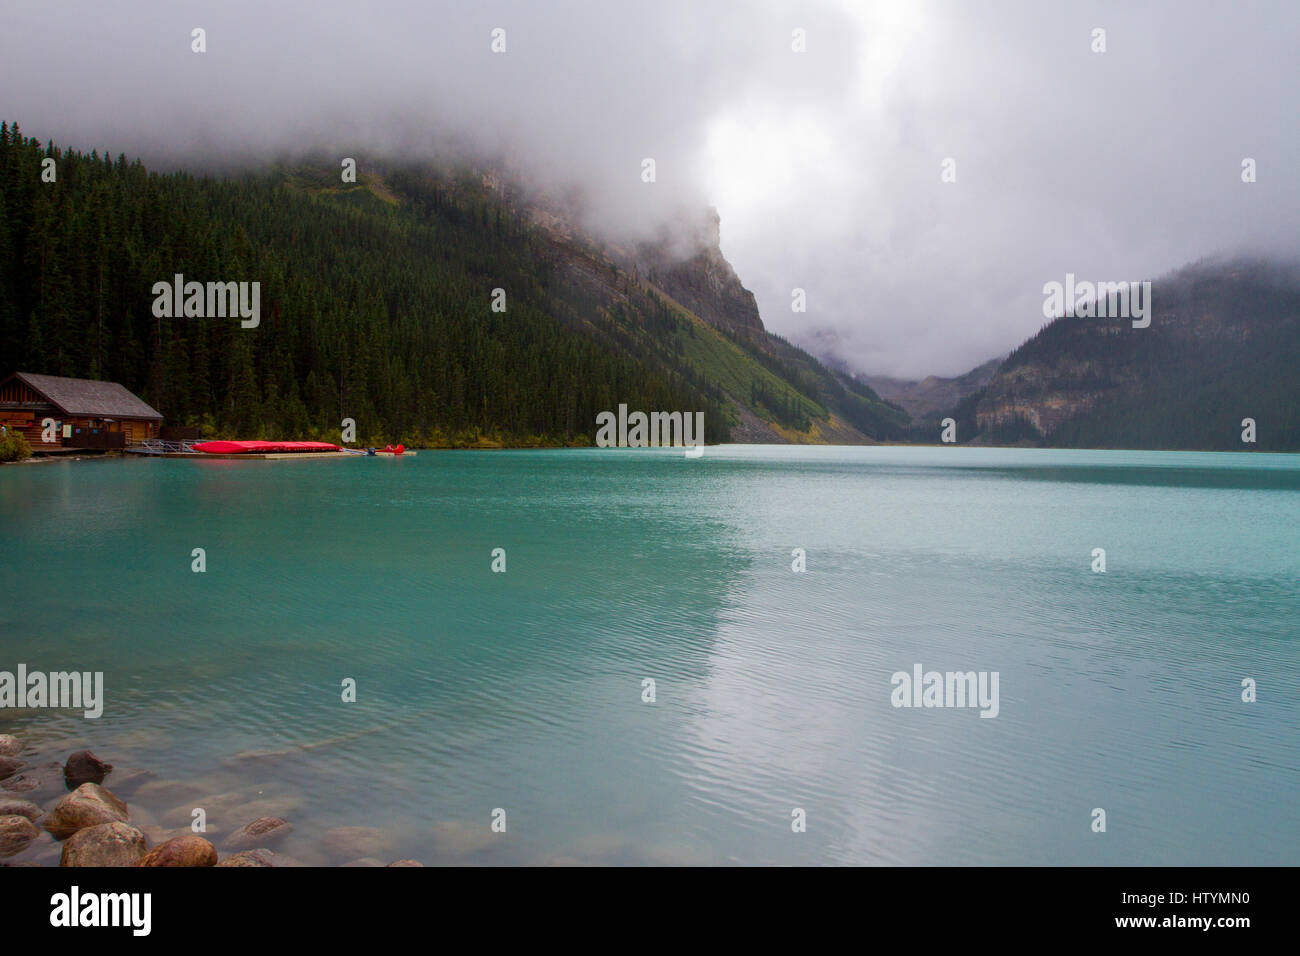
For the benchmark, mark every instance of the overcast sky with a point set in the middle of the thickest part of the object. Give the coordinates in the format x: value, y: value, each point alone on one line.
x: 824, y: 165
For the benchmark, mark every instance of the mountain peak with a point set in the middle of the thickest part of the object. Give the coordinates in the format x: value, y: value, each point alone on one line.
x: 685, y: 260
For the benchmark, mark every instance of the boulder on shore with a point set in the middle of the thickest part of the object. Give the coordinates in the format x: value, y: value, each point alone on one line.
x: 87, y: 806
x: 406, y: 863
x: 16, y: 834
x: 84, y: 767
x: 10, y: 766
x: 10, y: 806
x: 108, y: 844
x: 191, y: 850
x: 10, y: 746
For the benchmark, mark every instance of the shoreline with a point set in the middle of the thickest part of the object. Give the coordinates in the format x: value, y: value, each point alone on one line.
x: 84, y: 811
x: 91, y: 455
x: 135, y: 818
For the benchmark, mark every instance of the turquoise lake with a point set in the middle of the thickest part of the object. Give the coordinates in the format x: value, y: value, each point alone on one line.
x: 523, y: 690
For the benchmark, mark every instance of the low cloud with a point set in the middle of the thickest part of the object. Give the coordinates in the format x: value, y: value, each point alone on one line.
x: 824, y: 165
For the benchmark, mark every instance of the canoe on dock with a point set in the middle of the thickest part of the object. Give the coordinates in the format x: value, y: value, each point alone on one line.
x: 262, y: 447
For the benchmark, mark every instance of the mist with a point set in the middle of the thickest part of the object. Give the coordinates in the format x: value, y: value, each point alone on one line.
x: 825, y: 165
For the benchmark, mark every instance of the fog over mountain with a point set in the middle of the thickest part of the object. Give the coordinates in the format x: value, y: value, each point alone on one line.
x: 824, y: 165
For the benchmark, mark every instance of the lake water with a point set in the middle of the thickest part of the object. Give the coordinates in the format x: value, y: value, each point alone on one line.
x: 523, y: 690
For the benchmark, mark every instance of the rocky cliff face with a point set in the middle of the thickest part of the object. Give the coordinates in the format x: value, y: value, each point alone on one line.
x: 690, y: 267
x: 683, y: 260
x: 1047, y: 393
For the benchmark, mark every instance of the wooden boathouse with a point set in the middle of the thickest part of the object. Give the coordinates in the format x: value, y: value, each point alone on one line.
x: 84, y: 413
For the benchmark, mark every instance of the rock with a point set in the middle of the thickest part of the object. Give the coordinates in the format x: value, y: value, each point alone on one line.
x: 87, y: 806
x: 189, y: 850
x: 85, y: 767
x: 10, y: 766
x: 108, y: 844
x: 259, y: 857
x: 260, y: 832
x: 47, y: 779
x: 217, y: 806
x: 10, y: 746
x: 16, y: 834
x: 234, y: 805
x: 10, y: 806
x: 156, y: 834
x: 406, y: 863
x: 283, y: 806
x: 350, y: 843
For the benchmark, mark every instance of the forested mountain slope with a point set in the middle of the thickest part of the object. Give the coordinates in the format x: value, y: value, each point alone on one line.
x: 1223, y: 345
x: 376, y: 304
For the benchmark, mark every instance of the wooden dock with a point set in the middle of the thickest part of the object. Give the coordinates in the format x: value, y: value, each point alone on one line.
x: 283, y: 455
x: 267, y: 456
x: 256, y: 456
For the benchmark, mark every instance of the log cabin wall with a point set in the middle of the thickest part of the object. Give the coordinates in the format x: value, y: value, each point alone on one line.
x: 89, y: 414
x: 22, y: 408
x: 86, y: 432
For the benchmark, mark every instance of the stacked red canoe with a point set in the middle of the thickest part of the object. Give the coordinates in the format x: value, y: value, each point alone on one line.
x: 261, y: 447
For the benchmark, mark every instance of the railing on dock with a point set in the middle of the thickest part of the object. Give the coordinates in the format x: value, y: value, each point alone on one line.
x: 158, y: 446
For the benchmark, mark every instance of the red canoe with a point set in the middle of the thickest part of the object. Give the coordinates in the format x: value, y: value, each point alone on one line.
x: 261, y: 447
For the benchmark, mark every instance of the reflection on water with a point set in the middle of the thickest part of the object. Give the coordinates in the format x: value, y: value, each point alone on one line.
x: 524, y: 690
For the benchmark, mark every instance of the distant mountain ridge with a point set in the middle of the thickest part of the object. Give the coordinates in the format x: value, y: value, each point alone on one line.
x: 931, y: 395
x: 1223, y: 346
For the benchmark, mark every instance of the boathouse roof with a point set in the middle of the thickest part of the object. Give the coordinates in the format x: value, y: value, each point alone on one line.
x: 88, y: 398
